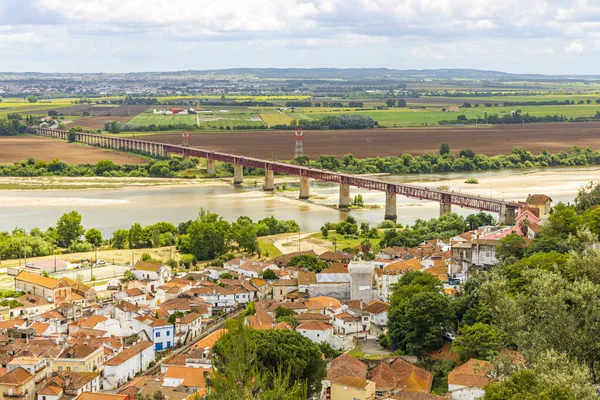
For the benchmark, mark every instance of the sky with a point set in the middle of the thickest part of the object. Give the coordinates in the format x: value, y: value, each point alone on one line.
x: 519, y: 36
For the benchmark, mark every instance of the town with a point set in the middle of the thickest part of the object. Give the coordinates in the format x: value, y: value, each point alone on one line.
x: 153, y: 331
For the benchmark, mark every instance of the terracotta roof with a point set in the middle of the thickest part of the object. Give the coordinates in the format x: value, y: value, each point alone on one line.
x: 260, y: 320
x: 357, y: 305
x: 78, y: 380
x: 151, y: 321
x: 402, y: 266
x: 30, y: 300
x: 383, y: 376
x: 331, y: 256
x: 313, y: 317
x: 128, y: 353
x: 126, y: 306
x: 537, y: 199
x: 51, y: 389
x: 211, y: 339
x: 52, y: 314
x: 17, y: 376
x: 133, y: 292
x: 410, y: 377
x: 77, y: 351
x: 347, y: 317
x: 192, y: 377
x: 346, y: 380
x: 189, y: 318
x: 179, y: 359
x: 346, y: 365
x: 445, y: 353
x: 92, y: 321
x: 327, y: 302
x: 147, y: 266
x: 376, y: 306
x: 335, y: 268
x: 473, y: 373
x: 36, y: 279
x: 306, y: 278
x: 100, y: 396
x: 407, y: 395
x: 258, y: 282
x: 286, y: 282
x: 39, y: 328
x: 314, y: 326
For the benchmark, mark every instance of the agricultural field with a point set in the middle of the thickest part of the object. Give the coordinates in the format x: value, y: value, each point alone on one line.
x: 146, y: 119
x: 275, y: 118
x: 501, y: 139
x: 18, y: 148
x: 231, y: 119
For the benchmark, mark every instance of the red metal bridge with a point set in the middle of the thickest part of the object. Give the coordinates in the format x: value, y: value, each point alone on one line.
x: 506, y: 209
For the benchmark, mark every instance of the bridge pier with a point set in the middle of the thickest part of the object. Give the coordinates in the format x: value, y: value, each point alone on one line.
x: 211, y: 169
x: 269, y: 180
x: 507, y: 215
x: 344, y: 202
x: 390, y: 207
x: 445, y: 208
x: 304, y: 188
x: 238, y: 174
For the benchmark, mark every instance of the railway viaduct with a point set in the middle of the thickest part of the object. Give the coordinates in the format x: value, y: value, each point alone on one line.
x: 505, y: 209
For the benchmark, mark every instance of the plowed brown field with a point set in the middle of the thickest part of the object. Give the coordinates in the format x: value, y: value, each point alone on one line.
x: 502, y: 139
x: 42, y: 149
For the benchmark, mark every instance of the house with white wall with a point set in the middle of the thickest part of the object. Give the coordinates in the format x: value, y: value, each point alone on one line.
x: 123, y: 367
x: 159, y: 331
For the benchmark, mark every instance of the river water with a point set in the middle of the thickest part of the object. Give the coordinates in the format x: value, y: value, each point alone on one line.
x: 111, y: 209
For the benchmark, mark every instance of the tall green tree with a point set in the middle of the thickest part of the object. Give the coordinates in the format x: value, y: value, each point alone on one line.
x: 94, y: 237
x: 136, y: 236
x: 480, y: 341
x: 69, y: 228
x: 120, y: 238
x: 208, y: 236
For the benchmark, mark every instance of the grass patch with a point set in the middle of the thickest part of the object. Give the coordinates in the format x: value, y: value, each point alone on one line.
x: 275, y: 118
x: 146, y: 119
x: 472, y: 181
x: 343, y: 242
x: 268, y: 249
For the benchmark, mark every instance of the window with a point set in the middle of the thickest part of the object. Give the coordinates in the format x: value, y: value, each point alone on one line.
x: 157, y: 334
x: 76, y: 369
x: 68, y: 368
x: 168, y: 333
x: 43, y: 397
x: 60, y: 369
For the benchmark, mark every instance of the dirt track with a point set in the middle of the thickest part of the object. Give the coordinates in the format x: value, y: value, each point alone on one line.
x: 385, y: 142
x: 42, y: 149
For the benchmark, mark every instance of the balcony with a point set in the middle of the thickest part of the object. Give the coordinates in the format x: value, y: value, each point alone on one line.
x: 22, y: 394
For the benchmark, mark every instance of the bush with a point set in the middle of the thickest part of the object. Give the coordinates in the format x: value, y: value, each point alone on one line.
x: 187, y: 260
x: 472, y: 181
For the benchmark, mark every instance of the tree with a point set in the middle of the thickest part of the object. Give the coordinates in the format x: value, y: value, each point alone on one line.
x: 524, y: 225
x: 94, y: 237
x: 511, y: 247
x: 365, y: 246
x: 208, y: 236
x: 173, y: 317
x: 271, y: 365
x: 69, y: 228
x: 269, y: 275
x: 284, y: 312
x: 479, y: 340
x: 401, y: 103
x: 120, y: 237
x: 135, y: 236
x: 244, y: 233
x: 588, y: 196
x: 418, y: 324
x: 444, y: 149
x: 32, y: 99
x: 103, y: 166
x: 72, y: 136
x: 390, y: 102
x: 128, y: 276
x: 308, y: 261
x: 467, y: 153
x: 155, y: 236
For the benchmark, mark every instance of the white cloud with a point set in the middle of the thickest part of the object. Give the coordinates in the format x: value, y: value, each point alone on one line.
x: 128, y: 34
x: 575, y: 47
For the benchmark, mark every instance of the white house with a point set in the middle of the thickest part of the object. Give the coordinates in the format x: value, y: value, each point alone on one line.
x: 123, y: 367
x: 466, y: 382
x: 161, y: 332
x: 153, y: 274
x: 188, y: 328
x: 318, y: 332
x: 378, y: 312
x: 133, y: 295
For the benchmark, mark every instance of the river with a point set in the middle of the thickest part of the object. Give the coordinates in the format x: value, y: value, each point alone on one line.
x: 111, y: 209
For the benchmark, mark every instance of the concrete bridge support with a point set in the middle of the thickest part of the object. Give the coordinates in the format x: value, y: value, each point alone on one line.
x: 211, y: 168
x: 390, y: 207
x: 445, y: 208
x: 238, y: 174
x: 507, y: 215
x: 344, y: 196
x: 269, y: 180
x: 304, y: 188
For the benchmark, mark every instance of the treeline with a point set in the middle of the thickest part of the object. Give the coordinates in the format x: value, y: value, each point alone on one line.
x: 466, y: 160
x: 548, y: 103
x: 118, y: 127
x: 352, y: 104
x: 169, y: 168
x: 205, y: 238
x: 344, y: 121
x: 14, y: 125
x: 210, y: 236
x: 516, y: 118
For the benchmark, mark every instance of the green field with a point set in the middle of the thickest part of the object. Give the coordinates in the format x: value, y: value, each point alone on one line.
x: 146, y: 119
x: 216, y: 120
x: 275, y: 118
